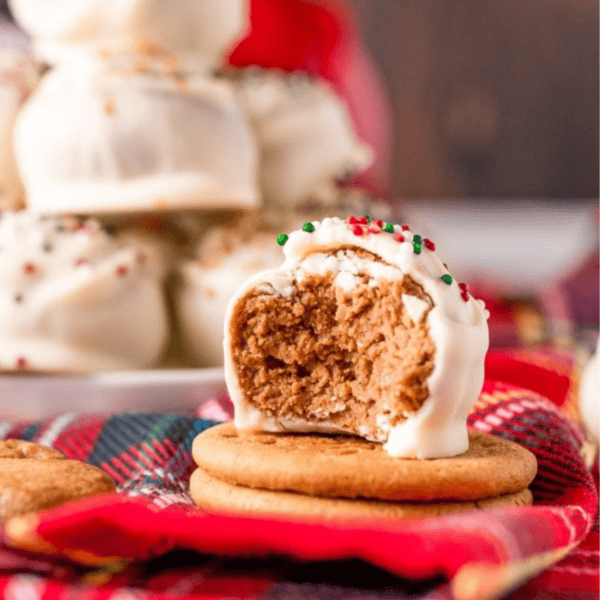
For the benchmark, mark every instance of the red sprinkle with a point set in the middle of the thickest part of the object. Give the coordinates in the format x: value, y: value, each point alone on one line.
x: 462, y: 287
x: 465, y: 296
x: 352, y: 221
x: 429, y: 244
x: 21, y: 363
x: 357, y: 230
x: 374, y: 230
x: 122, y: 270
x: 80, y: 261
x: 29, y: 268
x: 363, y: 220
x: 378, y: 222
x: 405, y: 228
x: 399, y: 238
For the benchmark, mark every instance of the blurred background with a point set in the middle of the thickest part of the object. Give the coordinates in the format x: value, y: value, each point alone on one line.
x: 488, y: 99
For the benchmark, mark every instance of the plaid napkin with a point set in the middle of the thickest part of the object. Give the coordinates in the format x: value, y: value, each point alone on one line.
x: 148, y: 541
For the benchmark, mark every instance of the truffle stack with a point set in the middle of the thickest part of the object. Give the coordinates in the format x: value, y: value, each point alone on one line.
x: 139, y: 125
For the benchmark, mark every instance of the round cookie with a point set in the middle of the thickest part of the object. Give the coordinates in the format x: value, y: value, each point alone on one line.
x: 340, y: 466
x: 212, y: 494
x: 33, y: 478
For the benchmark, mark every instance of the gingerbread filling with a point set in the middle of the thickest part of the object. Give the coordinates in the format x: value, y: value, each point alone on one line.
x: 352, y: 359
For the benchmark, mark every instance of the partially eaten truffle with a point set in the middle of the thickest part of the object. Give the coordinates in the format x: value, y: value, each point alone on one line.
x: 362, y: 330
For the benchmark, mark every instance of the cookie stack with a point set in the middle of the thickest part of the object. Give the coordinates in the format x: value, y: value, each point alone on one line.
x: 342, y: 477
x: 138, y: 125
x: 352, y: 368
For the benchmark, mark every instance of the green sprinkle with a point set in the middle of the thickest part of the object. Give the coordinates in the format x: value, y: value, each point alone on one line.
x: 368, y: 218
x: 447, y: 278
x: 282, y: 238
x: 417, y: 239
x: 309, y: 227
x: 417, y: 248
x: 47, y: 247
x: 389, y: 228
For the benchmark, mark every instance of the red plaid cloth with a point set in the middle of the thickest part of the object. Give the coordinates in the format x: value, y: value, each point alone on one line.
x: 148, y: 541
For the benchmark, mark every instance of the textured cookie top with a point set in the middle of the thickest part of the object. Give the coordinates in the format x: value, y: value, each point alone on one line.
x: 349, y: 467
x: 361, y: 260
x: 37, y: 484
x: 21, y: 449
x: 64, y: 282
x: 35, y: 477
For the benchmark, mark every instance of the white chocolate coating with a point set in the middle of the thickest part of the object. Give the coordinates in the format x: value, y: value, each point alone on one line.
x: 77, y: 299
x: 457, y: 327
x: 206, y: 285
x: 18, y: 76
x: 305, y: 135
x: 201, y: 31
x: 589, y: 396
x: 95, y: 138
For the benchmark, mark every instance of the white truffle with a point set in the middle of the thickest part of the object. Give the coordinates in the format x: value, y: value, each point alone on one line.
x: 456, y: 324
x: 95, y: 138
x: 226, y: 260
x: 75, y: 298
x: 305, y: 135
x: 589, y: 396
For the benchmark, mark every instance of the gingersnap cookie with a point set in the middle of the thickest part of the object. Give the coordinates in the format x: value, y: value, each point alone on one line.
x: 34, y: 477
x: 210, y: 493
x: 349, y: 467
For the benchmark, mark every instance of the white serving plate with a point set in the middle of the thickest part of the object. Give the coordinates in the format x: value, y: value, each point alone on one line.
x: 161, y: 390
x: 522, y: 246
